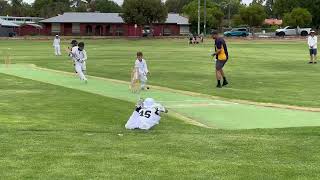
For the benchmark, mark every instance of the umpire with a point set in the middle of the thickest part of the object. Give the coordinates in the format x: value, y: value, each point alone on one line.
x: 222, y: 56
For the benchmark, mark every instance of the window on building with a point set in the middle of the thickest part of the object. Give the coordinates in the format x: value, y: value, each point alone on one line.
x: 89, y: 30
x: 55, y: 28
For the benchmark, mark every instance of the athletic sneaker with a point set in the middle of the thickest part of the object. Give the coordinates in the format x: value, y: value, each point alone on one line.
x: 310, y: 62
x: 219, y: 86
x: 225, y: 83
x: 315, y: 62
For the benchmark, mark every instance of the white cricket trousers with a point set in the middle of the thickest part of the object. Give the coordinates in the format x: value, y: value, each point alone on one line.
x: 143, y: 80
x: 57, y: 51
x: 79, y: 69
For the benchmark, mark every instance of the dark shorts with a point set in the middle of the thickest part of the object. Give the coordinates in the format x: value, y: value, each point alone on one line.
x: 220, y: 64
x: 313, y: 51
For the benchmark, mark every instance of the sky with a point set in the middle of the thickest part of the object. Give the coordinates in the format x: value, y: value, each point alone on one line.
x: 120, y: 1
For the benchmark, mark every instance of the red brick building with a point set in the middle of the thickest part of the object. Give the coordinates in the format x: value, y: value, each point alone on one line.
x: 110, y: 24
x: 29, y: 29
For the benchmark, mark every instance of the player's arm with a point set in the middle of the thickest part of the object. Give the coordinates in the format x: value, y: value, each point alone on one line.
x: 84, y: 56
x: 146, y: 70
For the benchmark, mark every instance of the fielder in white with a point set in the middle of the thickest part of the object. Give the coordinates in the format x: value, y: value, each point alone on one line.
x: 142, y: 69
x: 79, y: 56
x: 312, y: 43
x: 146, y: 115
x: 56, y: 45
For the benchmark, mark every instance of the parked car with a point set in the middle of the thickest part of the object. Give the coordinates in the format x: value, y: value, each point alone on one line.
x: 147, y: 31
x: 292, y: 31
x: 239, y: 32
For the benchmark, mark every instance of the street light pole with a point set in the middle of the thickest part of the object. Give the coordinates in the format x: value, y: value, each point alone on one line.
x: 205, y: 18
x: 229, y: 14
x: 198, y: 17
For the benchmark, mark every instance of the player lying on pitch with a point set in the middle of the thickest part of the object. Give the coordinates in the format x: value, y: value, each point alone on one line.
x: 146, y: 115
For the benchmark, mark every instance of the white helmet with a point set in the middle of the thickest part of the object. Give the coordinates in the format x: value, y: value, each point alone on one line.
x: 148, y: 103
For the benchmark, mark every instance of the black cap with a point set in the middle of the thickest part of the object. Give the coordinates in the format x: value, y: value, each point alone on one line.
x: 214, y: 32
x: 74, y: 42
x: 81, y: 44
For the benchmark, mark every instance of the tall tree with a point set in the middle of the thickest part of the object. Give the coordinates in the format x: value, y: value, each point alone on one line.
x: 144, y: 12
x: 269, y: 8
x: 107, y: 6
x: 284, y: 6
x: 16, y: 8
x: 49, y: 8
x: 253, y: 15
x: 4, y: 8
x: 298, y: 17
x: 176, y: 6
x: 214, y: 15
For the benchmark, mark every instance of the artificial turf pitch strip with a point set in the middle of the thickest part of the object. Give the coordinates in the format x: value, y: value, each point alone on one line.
x: 210, y: 112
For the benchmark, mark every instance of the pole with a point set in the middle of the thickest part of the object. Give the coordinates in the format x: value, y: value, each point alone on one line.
x: 229, y: 14
x: 198, y: 17
x: 205, y: 18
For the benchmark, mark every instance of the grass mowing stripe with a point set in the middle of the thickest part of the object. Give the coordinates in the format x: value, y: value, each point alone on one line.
x: 228, y: 116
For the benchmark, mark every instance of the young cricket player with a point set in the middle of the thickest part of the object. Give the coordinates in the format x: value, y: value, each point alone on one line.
x: 80, y: 56
x: 56, y: 45
x: 146, y: 115
x: 74, y: 46
x: 142, y: 68
x: 312, y: 43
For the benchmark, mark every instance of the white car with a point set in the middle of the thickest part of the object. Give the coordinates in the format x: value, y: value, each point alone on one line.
x: 291, y: 31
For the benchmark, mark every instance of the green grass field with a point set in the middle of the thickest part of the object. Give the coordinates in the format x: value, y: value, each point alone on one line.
x: 54, y: 132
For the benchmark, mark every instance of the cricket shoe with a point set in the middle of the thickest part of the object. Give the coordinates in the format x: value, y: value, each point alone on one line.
x: 225, y: 83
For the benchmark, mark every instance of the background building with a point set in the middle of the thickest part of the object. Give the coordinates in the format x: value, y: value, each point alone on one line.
x: 7, y: 28
x: 110, y: 24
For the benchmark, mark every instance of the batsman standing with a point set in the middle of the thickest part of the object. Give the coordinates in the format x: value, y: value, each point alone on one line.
x: 222, y: 56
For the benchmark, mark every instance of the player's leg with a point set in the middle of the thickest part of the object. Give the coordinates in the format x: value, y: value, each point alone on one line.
x: 143, y: 80
x: 315, y: 56
x: 79, y: 71
x: 311, y: 56
x: 59, y: 50
x: 225, y: 82
x: 55, y: 50
x: 218, y: 73
x: 218, y: 76
x: 84, y: 67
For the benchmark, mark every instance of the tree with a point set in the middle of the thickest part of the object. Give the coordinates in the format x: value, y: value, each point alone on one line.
x: 284, y: 6
x: 4, y: 8
x: 253, y: 15
x: 269, y: 8
x: 214, y: 15
x: 107, y: 6
x: 144, y: 12
x: 176, y: 6
x: 298, y: 17
x: 16, y: 8
x: 49, y: 8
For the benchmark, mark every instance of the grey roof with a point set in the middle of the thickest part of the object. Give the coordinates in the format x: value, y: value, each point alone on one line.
x: 7, y: 23
x: 104, y: 18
